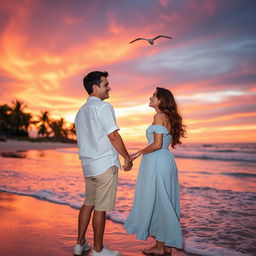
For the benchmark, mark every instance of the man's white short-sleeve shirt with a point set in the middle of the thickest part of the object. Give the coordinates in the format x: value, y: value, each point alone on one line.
x: 94, y: 121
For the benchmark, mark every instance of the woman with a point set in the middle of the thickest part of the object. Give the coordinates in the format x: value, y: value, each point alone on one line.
x: 156, y: 208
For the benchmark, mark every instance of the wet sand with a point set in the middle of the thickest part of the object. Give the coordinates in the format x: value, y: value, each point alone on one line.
x: 16, y: 145
x: 30, y: 226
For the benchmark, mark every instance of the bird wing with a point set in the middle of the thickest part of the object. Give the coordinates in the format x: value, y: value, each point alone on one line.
x: 138, y: 39
x: 162, y: 36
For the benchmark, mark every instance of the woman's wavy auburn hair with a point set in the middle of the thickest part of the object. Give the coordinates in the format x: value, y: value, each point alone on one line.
x: 169, y: 107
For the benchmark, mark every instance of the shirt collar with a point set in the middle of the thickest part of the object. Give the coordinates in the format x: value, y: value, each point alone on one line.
x: 93, y: 98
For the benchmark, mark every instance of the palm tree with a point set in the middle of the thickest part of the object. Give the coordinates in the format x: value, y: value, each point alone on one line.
x: 58, y: 129
x: 26, y: 120
x: 5, y: 127
x: 4, y: 111
x: 44, y: 124
x: 19, y: 120
x: 72, y: 130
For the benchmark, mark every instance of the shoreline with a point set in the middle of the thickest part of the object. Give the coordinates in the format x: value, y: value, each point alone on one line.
x: 35, y: 225
x: 39, y: 217
x: 12, y: 146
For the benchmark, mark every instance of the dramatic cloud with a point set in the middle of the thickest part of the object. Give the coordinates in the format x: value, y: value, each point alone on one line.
x: 46, y: 47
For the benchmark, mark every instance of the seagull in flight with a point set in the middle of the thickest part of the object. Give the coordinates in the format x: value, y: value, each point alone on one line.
x: 150, y: 40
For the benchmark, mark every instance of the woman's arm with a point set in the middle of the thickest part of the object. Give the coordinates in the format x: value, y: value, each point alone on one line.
x: 158, y: 139
x: 156, y: 145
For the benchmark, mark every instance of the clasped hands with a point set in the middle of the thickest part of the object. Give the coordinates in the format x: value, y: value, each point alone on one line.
x: 128, y: 162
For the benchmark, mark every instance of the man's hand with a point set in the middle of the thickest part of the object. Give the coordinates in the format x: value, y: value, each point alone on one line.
x: 118, y: 144
x: 127, y: 164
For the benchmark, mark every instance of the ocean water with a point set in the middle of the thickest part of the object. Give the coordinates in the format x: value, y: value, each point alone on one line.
x: 217, y: 187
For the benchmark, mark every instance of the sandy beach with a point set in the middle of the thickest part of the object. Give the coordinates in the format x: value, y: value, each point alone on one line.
x: 42, y: 189
x: 30, y: 226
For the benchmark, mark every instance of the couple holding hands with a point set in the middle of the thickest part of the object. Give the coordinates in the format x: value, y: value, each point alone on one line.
x: 156, y: 208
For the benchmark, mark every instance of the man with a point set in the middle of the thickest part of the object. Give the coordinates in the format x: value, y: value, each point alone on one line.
x: 99, y: 144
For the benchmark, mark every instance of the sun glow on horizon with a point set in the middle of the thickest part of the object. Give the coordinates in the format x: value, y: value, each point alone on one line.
x: 209, y: 69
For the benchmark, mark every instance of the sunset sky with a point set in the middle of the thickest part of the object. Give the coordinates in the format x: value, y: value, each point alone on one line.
x: 47, y: 46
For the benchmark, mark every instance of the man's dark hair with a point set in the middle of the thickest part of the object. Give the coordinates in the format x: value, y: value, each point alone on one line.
x: 93, y: 78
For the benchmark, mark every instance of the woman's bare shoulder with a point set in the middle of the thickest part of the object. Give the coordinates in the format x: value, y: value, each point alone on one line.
x: 159, y: 118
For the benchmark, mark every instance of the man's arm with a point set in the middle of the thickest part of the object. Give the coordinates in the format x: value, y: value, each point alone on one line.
x: 118, y: 144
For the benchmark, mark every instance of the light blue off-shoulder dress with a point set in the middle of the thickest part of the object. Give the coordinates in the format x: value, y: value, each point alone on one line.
x: 156, y: 207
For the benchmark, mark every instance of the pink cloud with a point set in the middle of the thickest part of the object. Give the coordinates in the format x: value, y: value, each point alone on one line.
x: 46, y: 50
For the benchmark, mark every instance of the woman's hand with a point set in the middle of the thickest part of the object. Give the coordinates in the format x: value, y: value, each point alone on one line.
x: 127, y: 164
x: 135, y: 155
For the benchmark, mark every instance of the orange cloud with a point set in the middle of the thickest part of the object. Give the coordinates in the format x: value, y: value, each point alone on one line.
x: 43, y: 59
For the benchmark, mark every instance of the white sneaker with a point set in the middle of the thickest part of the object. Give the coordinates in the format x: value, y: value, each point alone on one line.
x: 79, y: 249
x: 105, y: 252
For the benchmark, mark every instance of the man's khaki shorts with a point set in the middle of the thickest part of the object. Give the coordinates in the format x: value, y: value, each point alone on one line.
x: 101, y: 190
